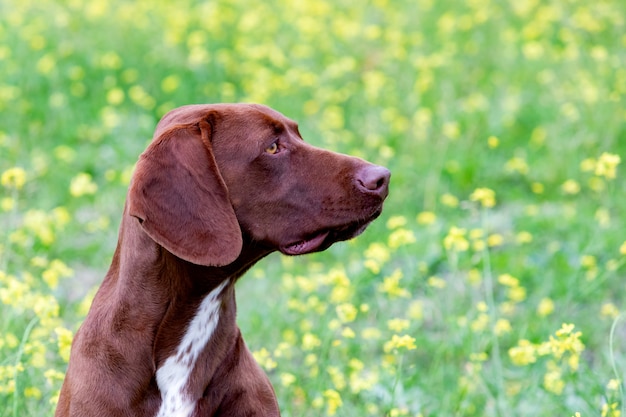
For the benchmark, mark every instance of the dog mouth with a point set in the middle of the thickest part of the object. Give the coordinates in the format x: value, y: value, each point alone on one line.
x: 323, y: 239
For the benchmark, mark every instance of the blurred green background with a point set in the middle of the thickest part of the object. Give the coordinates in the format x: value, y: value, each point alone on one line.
x: 492, y: 284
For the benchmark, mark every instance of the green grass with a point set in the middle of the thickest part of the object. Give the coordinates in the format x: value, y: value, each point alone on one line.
x: 527, y: 99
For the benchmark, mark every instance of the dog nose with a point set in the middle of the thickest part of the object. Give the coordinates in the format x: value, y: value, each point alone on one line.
x: 374, y: 179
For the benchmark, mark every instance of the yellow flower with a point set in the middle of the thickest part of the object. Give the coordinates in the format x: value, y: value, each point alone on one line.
x: 480, y: 323
x: 401, y: 237
x: 416, y: 310
x: 451, y: 130
x: 537, y: 187
x: 607, y: 165
x: 523, y: 237
x: 508, y: 280
x: 13, y: 178
x: 371, y: 333
x: 523, y: 354
x: 611, y: 410
x: 609, y: 310
x: 588, y: 165
x: 7, y: 204
x: 436, y: 282
x: 545, y: 307
x: 397, y: 342
x: 264, y: 359
x: 493, y: 141
x: 622, y: 249
x: 455, y: 240
x: 337, y: 377
x: 426, y: 217
x: 115, y: 96
x: 449, y: 200
x: 613, y: 384
x: 310, y: 341
x: 346, y: 312
x: 32, y: 392
x: 502, y: 326
x: 287, y: 379
x: 82, y: 184
x: 170, y: 83
x: 485, y: 196
x: 552, y: 380
x: 396, y: 221
x: 398, y: 325
x: 333, y: 401
x: 56, y: 270
x: 516, y: 165
x: 494, y: 240
x: 391, y: 285
x: 571, y: 187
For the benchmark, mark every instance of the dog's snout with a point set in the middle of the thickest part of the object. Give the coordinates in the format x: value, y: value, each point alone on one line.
x: 374, y: 179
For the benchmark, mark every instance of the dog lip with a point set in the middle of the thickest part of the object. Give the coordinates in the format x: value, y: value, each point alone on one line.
x: 306, y: 245
x: 323, y: 239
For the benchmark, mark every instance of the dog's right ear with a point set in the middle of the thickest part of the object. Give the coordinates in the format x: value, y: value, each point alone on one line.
x: 178, y: 195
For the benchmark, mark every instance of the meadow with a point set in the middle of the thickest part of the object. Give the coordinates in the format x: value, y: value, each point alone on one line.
x: 493, y: 283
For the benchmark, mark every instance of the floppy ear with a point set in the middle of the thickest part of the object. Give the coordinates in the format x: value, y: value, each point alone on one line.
x: 181, y: 200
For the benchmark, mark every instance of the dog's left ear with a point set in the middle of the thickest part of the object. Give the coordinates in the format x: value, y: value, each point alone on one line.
x: 181, y: 200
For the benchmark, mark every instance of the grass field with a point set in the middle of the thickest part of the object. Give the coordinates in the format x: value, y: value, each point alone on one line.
x: 493, y: 283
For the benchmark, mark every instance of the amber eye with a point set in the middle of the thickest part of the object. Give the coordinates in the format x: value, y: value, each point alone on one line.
x: 272, y: 149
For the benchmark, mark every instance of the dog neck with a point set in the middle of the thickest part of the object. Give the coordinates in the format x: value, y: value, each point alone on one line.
x: 184, y: 313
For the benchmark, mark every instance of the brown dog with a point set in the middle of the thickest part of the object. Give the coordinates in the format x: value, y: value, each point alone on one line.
x: 220, y: 187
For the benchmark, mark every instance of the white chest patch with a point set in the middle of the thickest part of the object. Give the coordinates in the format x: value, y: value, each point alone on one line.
x: 172, y: 377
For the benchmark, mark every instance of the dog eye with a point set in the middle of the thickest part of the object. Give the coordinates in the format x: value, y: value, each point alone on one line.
x: 272, y: 149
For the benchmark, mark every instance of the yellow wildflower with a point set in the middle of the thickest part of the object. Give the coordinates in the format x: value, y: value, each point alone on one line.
x: 455, y: 240
x: 493, y: 142
x: 371, y: 333
x: 523, y: 237
x: 416, y: 310
x: 310, y: 341
x: 436, y: 282
x: 287, y: 379
x: 397, y: 342
x: 508, y: 280
x: 82, y: 184
x: 517, y: 165
x: 397, y: 325
x: 523, y: 354
x: 613, y: 384
x: 396, y: 222
x: 502, y: 326
x: 607, y: 165
x: 449, y: 200
x: 571, y: 187
x: 552, y: 380
x: 32, y: 392
x: 333, y: 401
x: 7, y: 204
x: 262, y: 357
x: 611, y: 410
x: 537, y: 188
x: 545, y: 307
x: 391, y: 285
x: 609, y: 310
x: 485, y: 196
x: 494, y: 240
x: 401, y: 237
x: 348, y: 333
x: 346, y: 312
x: 13, y: 178
x: 426, y: 217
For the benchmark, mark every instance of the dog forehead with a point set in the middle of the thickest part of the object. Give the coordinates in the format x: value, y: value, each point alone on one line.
x: 240, y: 114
